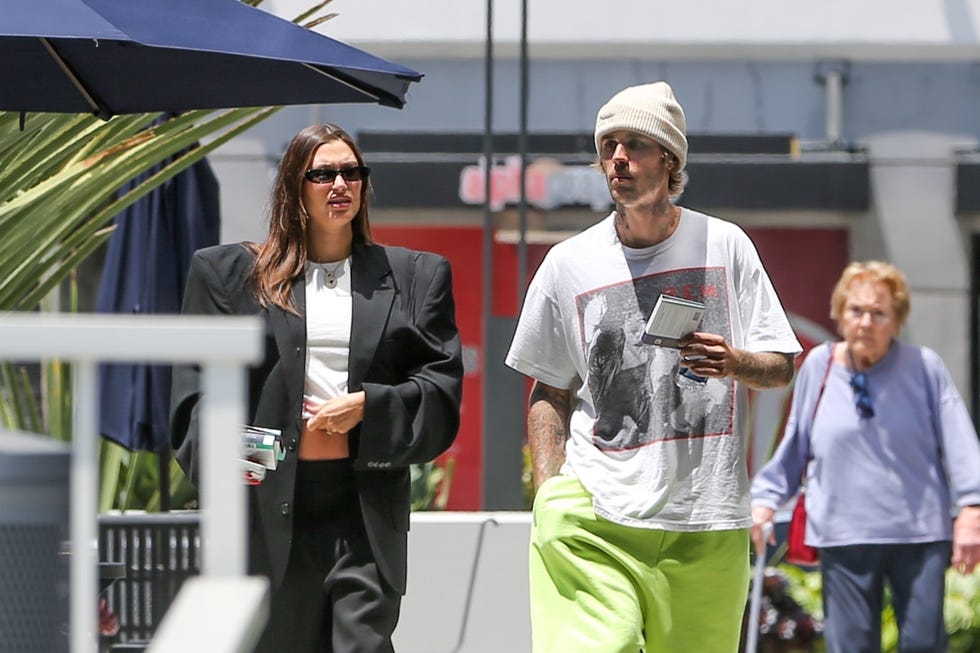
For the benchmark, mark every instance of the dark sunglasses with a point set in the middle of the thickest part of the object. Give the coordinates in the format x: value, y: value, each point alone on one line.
x: 859, y: 383
x: 329, y: 175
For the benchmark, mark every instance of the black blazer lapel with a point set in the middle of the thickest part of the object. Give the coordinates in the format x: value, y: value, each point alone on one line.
x: 290, y: 334
x: 373, y: 291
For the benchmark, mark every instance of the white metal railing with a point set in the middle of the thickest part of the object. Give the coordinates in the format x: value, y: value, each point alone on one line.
x: 223, y: 346
x: 214, y: 615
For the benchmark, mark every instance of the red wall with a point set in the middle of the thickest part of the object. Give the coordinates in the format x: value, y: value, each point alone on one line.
x: 463, y: 246
x: 804, y: 265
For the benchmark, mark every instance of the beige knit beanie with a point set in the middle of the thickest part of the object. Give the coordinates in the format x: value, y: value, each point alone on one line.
x: 648, y: 109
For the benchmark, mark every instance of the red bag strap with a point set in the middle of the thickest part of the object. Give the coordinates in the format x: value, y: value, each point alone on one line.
x: 816, y: 405
x: 823, y: 384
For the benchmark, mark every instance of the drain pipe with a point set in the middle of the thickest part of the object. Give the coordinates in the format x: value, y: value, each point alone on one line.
x: 833, y: 75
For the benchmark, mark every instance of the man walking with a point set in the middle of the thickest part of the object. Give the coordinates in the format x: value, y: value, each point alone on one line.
x: 640, y: 535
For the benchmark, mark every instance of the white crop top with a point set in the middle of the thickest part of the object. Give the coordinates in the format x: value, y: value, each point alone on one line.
x: 328, y: 325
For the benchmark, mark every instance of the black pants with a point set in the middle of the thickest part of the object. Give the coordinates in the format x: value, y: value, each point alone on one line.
x: 333, y: 598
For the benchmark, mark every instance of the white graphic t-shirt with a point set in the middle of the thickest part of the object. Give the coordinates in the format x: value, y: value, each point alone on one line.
x: 656, y: 447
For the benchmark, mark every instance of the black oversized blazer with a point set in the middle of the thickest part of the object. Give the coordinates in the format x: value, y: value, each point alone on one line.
x: 405, y: 356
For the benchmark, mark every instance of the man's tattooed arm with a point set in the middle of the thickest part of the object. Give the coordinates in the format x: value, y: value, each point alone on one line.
x: 765, y: 369
x: 547, y: 430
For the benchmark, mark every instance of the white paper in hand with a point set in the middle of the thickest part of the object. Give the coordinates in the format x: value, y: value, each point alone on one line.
x: 262, y: 445
x: 672, y: 318
x: 254, y: 472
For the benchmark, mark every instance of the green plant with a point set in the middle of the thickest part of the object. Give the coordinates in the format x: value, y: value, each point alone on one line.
x: 784, y: 624
x: 430, y: 484
x: 961, y: 607
x: 962, y: 611
x: 60, y: 182
x: 135, y: 481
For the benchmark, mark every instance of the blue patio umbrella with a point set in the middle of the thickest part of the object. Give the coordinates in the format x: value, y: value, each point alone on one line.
x: 126, y: 56
x: 145, y: 271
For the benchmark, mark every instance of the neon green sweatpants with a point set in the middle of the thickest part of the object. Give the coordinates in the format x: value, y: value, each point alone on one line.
x: 600, y: 587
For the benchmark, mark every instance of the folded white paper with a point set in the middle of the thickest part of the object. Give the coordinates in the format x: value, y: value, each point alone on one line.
x: 672, y: 318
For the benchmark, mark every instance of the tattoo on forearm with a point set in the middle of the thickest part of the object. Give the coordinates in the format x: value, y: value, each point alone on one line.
x: 765, y: 370
x: 547, y: 430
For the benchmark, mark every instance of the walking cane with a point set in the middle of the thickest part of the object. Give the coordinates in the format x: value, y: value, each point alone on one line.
x: 755, y: 602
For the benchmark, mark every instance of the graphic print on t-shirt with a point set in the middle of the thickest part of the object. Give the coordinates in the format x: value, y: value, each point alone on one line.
x: 639, y: 391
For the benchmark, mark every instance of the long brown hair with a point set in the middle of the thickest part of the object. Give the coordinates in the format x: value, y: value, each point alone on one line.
x: 282, y: 256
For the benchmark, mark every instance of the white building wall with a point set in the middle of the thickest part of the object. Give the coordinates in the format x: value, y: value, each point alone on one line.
x: 694, y: 29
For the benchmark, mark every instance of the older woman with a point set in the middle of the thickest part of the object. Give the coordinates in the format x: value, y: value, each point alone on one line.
x: 889, y: 451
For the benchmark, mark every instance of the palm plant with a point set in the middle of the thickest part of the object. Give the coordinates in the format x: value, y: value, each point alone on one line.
x: 59, y: 191
x: 59, y: 185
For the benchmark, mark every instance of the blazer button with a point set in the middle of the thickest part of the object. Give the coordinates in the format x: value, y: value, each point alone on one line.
x: 284, y: 509
x: 292, y: 444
